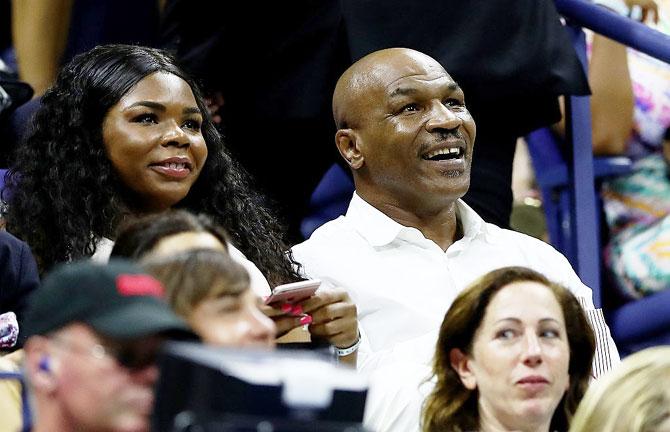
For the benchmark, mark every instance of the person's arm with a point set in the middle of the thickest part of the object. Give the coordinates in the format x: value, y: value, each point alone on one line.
x: 612, y: 99
x: 39, y: 31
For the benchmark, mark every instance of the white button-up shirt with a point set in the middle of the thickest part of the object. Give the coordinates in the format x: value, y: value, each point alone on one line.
x: 403, y: 283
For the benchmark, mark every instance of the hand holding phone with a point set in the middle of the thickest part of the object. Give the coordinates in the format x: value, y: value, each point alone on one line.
x: 293, y: 292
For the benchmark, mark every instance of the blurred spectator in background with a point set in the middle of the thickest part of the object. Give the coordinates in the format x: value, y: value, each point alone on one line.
x: 95, y: 332
x: 633, y: 397
x: 211, y: 292
x: 630, y: 116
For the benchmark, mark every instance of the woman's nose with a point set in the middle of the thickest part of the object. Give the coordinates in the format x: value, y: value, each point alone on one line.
x: 532, y: 354
x: 175, y: 135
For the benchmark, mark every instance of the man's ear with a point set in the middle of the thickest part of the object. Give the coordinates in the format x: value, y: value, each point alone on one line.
x: 460, y: 362
x: 348, y: 145
x: 39, y: 365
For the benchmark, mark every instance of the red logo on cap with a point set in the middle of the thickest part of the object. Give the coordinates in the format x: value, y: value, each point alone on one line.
x: 139, y: 285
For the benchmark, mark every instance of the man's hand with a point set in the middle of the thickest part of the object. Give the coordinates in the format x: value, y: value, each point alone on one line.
x: 334, y: 317
x: 330, y: 314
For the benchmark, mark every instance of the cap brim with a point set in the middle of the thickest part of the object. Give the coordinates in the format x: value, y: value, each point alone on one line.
x: 140, y: 320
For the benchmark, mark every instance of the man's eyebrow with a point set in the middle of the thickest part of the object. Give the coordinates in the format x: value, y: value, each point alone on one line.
x: 407, y: 91
x: 402, y: 91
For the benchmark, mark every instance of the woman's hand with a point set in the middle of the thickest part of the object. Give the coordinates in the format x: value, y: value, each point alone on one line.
x: 286, y: 317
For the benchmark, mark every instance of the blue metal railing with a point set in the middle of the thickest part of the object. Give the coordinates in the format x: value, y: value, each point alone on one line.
x: 621, y: 29
x: 580, y: 13
x: 26, y: 417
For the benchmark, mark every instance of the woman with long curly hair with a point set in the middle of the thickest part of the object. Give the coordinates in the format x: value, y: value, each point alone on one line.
x: 514, y: 354
x: 125, y: 132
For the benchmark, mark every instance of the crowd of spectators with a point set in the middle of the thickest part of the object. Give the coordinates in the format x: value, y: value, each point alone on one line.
x: 130, y: 222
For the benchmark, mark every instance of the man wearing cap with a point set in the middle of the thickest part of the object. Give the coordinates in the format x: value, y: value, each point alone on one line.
x: 93, y: 335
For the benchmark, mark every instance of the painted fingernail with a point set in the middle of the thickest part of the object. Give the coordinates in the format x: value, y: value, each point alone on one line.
x: 307, y: 319
x: 286, y: 308
x: 296, y: 310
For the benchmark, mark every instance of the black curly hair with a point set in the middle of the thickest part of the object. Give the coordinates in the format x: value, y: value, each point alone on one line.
x: 66, y: 195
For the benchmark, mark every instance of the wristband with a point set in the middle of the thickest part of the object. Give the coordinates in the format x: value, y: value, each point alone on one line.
x: 341, y: 352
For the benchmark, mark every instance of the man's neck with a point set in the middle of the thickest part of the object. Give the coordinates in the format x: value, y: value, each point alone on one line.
x: 51, y: 419
x: 440, y: 225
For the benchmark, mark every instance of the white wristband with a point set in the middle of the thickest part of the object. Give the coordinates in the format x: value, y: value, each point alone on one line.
x: 342, y: 352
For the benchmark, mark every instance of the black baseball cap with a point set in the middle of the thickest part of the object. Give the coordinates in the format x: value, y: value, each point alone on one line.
x: 118, y: 300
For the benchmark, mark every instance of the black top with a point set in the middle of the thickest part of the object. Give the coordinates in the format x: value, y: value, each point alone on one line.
x: 18, y: 276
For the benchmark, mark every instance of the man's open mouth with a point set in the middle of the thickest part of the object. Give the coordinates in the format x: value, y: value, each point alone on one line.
x: 444, y: 154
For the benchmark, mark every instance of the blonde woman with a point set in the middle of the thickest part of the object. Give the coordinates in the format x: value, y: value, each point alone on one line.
x: 635, y: 397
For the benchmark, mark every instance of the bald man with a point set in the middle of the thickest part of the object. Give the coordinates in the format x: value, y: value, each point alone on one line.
x: 408, y: 244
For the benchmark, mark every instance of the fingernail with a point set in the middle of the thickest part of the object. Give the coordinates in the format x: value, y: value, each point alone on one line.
x: 296, y: 310
x: 286, y: 308
x: 307, y: 319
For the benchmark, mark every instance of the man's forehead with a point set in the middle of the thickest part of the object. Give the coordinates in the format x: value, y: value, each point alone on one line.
x: 403, y: 71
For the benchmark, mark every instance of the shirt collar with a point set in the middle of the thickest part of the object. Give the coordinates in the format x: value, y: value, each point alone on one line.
x: 379, y: 229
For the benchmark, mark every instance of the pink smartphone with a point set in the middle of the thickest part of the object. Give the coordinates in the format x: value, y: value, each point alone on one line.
x: 293, y: 292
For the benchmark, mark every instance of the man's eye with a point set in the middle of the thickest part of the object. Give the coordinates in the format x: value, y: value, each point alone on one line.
x: 410, y: 108
x: 145, y: 118
x: 454, y: 103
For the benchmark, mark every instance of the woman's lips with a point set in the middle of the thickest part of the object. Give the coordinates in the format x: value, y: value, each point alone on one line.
x: 172, y: 170
x: 533, y: 383
x: 175, y: 167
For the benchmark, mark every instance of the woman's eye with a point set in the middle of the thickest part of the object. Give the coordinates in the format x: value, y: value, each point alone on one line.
x: 192, y: 124
x: 549, y: 334
x: 505, y: 334
x: 145, y: 118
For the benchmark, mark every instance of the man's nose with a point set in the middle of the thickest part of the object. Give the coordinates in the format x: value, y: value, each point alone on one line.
x: 532, y: 354
x: 442, y: 117
x: 146, y: 375
x: 174, y: 135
